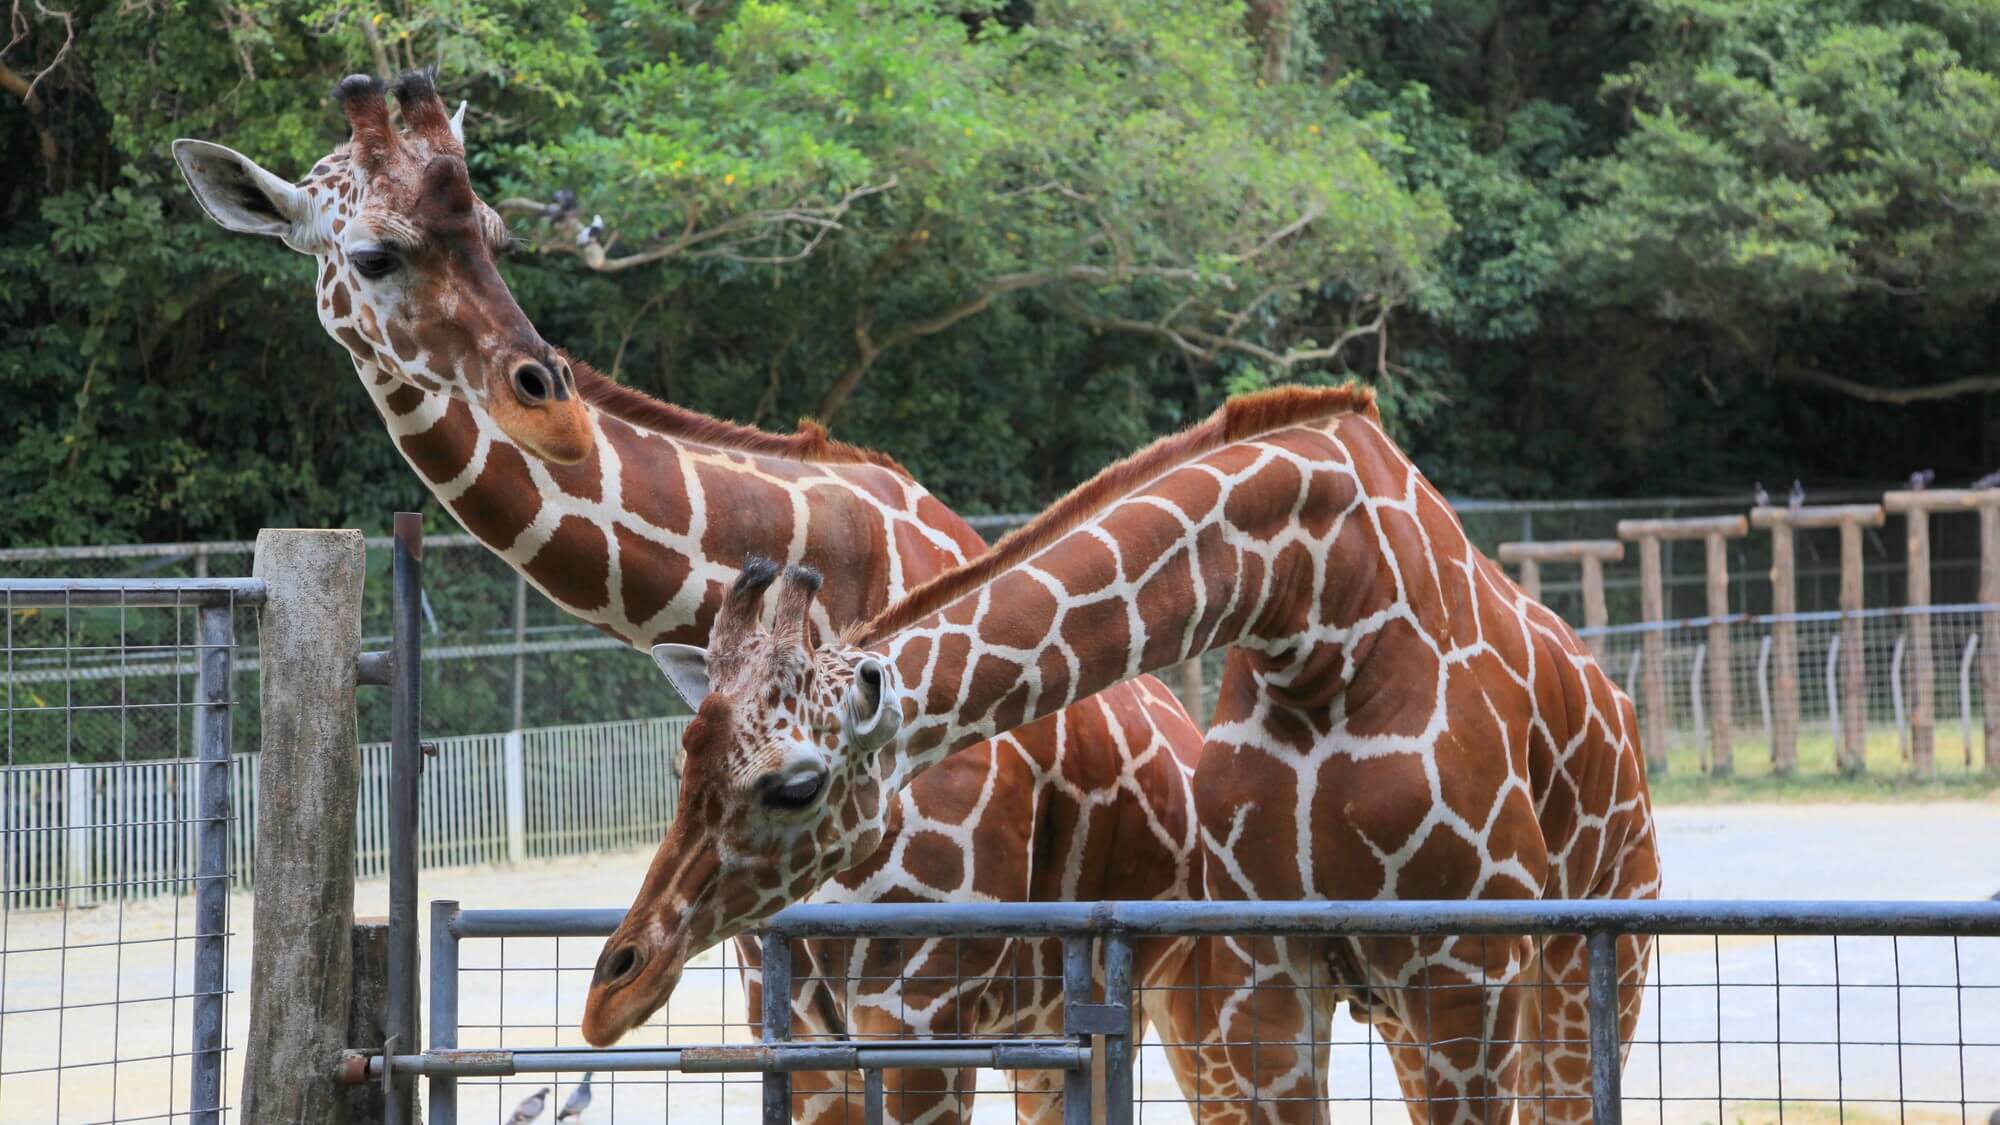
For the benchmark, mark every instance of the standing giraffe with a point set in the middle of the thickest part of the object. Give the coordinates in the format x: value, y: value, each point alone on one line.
x: 1398, y: 720
x: 633, y: 515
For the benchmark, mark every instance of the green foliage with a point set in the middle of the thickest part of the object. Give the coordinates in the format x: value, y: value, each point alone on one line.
x: 1612, y: 245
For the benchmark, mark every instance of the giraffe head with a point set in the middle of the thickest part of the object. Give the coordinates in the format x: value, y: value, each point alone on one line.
x: 782, y: 787
x: 405, y: 249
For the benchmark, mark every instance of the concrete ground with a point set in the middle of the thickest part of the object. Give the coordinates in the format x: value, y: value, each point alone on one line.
x: 94, y: 990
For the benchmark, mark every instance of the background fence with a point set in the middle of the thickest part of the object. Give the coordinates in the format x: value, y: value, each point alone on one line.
x: 113, y: 1009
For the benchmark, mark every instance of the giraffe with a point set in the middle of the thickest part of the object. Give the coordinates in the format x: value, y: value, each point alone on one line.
x: 1399, y: 720
x: 633, y: 515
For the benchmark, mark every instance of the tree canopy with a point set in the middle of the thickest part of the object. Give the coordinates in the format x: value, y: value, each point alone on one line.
x: 1632, y: 245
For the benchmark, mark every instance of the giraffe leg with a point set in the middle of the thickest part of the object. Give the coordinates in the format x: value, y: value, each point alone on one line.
x: 1273, y: 1021
x: 1186, y: 1009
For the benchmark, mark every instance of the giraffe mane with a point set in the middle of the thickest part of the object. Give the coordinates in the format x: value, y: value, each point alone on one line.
x: 1244, y: 416
x: 811, y: 443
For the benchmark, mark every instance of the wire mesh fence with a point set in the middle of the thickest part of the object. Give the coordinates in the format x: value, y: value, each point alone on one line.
x: 1728, y: 1012
x: 117, y: 847
x: 1875, y: 683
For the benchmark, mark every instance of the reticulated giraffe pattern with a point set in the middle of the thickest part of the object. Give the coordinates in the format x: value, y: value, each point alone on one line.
x: 1398, y: 721
x: 634, y: 516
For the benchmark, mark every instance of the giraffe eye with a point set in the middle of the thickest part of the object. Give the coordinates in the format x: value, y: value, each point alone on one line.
x: 374, y: 264
x: 794, y: 793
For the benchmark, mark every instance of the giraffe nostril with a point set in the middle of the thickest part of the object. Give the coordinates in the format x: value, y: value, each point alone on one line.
x: 532, y: 383
x: 617, y: 965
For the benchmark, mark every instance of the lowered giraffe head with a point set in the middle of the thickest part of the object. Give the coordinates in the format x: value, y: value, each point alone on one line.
x: 782, y: 788
x: 405, y: 249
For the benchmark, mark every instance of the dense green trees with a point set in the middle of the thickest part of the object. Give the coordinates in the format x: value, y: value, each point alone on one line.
x: 1581, y: 247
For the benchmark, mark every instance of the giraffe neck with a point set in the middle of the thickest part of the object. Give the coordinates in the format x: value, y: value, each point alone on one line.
x: 642, y: 538
x: 1256, y: 545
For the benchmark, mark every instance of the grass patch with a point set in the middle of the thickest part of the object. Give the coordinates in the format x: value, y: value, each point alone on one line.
x: 1887, y: 778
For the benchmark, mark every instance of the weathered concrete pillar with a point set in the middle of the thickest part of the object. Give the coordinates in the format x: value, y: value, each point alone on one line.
x: 1531, y: 575
x: 302, y: 959
x: 1853, y: 751
x: 368, y: 1012
x: 1782, y: 522
x: 1194, y: 691
x: 1653, y: 659
x: 1714, y: 530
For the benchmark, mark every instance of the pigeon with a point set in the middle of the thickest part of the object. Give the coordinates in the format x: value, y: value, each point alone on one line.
x: 530, y: 1107
x: 1797, y: 499
x: 589, y: 234
x: 563, y: 204
x: 1761, y: 498
x: 1921, y: 479
x: 1990, y: 480
x: 578, y: 1101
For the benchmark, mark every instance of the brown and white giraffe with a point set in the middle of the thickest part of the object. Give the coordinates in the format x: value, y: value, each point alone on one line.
x: 1398, y: 720
x: 634, y: 515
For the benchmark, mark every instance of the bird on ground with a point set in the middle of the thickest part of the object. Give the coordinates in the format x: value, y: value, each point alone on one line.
x: 578, y: 1101
x: 1797, y: 499
x: 1921, y: 479
x: 1990, y: 480
x: 530, y: 1108
x: 589, y: 234
x: 1760, y: 497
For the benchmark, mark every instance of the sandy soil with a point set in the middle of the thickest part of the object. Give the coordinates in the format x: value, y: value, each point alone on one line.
x: 103, y: 991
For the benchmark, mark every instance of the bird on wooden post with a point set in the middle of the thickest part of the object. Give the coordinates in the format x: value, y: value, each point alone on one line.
x: 1990, y: 480
x: 1921, y: 479
x: 578, y: 1101
x: 1761, y: 498
x: 1797, y: 499
x: 530, y: 1108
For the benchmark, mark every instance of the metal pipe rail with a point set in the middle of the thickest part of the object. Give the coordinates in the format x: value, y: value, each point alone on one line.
x: 130, y: 593
x: 732, y: 1058
x: 1337, y: 919
x: 1112, y: 927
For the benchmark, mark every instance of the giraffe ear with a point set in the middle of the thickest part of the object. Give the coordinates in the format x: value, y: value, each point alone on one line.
x: 874, y: 707
x: 458, y: 125
x: 241, y: 196
x: 686, y: 668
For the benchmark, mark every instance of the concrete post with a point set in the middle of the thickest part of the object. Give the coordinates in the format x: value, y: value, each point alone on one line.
x: 1715, y: 530
x: 1531, y: 576
x: 1989, y: 627
x: 1782, y: 522
x: 302, y: 958
x: 1653, y: 647
x: 514, y: 761
x: 79, y: 887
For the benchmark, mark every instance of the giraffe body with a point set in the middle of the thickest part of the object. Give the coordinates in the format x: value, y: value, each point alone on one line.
x: 634, y: 516
x: 1398, y: 720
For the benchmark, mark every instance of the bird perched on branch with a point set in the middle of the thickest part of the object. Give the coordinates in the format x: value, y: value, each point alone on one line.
x: 1921, y: 479
x: 530, y: 1108
x: 1759, y: 497
x: 578, y: 1101
x: 563, y: 203
x: 1797, y: 499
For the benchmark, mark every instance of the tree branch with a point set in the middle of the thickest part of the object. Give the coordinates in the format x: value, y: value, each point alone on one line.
x: 729, y: 239
x: 1895, y: 396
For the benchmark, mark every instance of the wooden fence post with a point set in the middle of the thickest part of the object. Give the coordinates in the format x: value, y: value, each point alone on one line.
x: 302, y: 960
x: 368, y: 1012
x: 1916, y: 509
x: 1715, y: 530
x: 1653, y: 649
x: 1782, y: 523
x: 1194, y: 692
x: 1592, y: 554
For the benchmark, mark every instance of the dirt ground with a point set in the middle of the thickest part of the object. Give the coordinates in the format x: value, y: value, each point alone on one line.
x: 114, y: 1014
